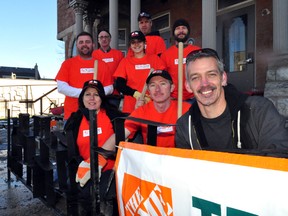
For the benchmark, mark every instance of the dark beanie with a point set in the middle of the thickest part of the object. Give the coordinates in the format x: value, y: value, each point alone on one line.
x: 181, y: 22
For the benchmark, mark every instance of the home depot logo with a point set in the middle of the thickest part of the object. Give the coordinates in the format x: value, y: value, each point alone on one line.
x: 145, y: 198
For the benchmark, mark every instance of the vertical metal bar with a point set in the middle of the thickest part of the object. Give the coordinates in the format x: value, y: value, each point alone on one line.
x: 119, y: 130
x: 41, y: 107
x: 95, y: 195
x: 8, y: 147
x: 27, y: 95
x: 152, y: 135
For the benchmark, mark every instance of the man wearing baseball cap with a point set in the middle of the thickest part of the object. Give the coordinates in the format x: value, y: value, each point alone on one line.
x: 181, y: 32
x: 160, y: 109
x: 154, y: 42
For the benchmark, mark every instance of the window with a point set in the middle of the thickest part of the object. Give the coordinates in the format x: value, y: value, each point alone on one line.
x: 122, y: 37
x: 235, y: 34
x: 226, y: 3
x: 162, y: 24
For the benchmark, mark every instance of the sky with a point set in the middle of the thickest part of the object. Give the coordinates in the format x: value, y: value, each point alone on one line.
x: 29, y: 36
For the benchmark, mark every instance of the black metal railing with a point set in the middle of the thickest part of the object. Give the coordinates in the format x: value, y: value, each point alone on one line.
x: 38, y: 156
x: 27, y: 101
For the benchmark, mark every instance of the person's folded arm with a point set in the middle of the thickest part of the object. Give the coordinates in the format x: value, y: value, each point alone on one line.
x: 66, y: 89
x: 121, y: 86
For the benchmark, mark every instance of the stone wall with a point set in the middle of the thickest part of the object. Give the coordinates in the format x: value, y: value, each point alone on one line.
x: 15, y: 91
x: 276, y: 87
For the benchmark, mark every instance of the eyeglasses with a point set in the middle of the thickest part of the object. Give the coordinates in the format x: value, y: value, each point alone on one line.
x: 104, y: 37
x: 206, y: 52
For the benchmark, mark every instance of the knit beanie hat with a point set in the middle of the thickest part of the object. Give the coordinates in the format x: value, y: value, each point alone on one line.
x: 181, y: 22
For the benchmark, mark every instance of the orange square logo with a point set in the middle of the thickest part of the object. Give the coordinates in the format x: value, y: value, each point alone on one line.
x: 141, y: 197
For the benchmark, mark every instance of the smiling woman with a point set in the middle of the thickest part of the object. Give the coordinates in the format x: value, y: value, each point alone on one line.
x: 77, y: 128
x: 133, y: 70
x: 91, y: 95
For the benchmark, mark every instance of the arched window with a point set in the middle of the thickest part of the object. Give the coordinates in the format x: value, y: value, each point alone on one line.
x: 235, y: 34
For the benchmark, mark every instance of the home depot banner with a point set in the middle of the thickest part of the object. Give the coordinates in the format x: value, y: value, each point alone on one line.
x: 166, y: 181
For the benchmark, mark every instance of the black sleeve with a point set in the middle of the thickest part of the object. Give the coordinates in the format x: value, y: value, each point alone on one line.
x: 121, y: 86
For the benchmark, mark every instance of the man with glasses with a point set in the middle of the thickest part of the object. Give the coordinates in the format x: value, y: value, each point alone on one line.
x: 223, y: 119
x: 111, y: 56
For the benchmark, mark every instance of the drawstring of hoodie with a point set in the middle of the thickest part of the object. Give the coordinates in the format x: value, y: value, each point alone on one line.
x: 239, y: 144
x: 190, y: 133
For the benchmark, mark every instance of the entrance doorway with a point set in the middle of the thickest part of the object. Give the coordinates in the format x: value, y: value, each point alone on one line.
x: 236, y: 46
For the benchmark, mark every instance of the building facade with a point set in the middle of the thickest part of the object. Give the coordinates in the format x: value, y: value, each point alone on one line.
x: 248, y: 34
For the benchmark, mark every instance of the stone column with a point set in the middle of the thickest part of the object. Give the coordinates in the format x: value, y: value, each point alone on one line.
x: 276, y: 86
x: 209, y: 24
x: 79, y: 7
x: 280, y: 26
x: 95, y: 31
x: 113, y: 22
x: 88, y: 20
x: 134, y: 11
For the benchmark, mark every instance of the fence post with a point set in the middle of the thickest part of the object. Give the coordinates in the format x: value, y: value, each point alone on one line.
x: 95, y: 194
x: 9, y: 143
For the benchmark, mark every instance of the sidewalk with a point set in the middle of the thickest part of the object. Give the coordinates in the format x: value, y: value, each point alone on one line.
x: 15, y: 198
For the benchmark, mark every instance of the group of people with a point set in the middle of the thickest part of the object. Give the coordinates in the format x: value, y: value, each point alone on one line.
x: 215, y: 115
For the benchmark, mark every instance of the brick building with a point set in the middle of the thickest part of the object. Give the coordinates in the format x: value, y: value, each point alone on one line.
x: 248, y: 34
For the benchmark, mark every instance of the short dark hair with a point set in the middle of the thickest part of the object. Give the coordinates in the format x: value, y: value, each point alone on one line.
x: 84, y: 34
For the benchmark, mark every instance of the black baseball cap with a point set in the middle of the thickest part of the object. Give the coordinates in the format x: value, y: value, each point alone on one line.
x: 94, y: 84
x: 144, y: 14
x: 137, y: 35
x: 163, y: 73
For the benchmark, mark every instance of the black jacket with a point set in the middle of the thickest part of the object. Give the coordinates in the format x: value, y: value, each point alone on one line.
x: 72, y: 127
x: 261, y: 126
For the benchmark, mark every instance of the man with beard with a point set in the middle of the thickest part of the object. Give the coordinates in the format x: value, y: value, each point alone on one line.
x: 181, y: 32
x: 224, y: 119
x: 77, y: 70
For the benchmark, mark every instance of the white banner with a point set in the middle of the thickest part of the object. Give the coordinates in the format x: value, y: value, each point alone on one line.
x: 166, y: 181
